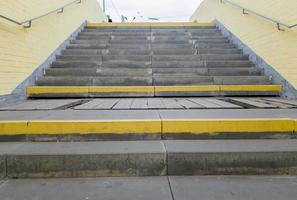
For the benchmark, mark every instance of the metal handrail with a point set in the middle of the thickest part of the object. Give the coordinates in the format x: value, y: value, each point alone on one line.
x: 29, y: 21
x: 246, y: 11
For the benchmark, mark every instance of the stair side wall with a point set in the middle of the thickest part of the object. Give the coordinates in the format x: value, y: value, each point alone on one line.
x: 270, y: 49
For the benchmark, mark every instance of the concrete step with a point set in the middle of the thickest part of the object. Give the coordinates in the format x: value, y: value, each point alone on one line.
x: 94, y: 81
x: 98, y: 72
x: 91, y: 41
x: 95, y: 34
x: 131, y: 37
x: 172, y: 46
x: 209, y: 37
x: 239, y: 80
x: 178, y: 64
x: 251, y: 71
x: 174, y: 51
x: 87, y: 46
x: 136, y: 42
x: 144, y: 58
x: 213, y: 45
x: 129, y: 46
x: 131, y: 34
x: 153, y: 91
x: 129, y: 51
x: 76, y: 64
x: 211, y: 40
x: 176, y: 58
x: 225, y: 63
x: 213, y: 34
x: 174, y: 70
x: 229, y: 57
x: 149, y: 158
x: 93, y: 37
x: 171, y: 41
x: 126, y: 64
x: 83, y: 52
x: 162, y: 38
x: 178, y: 79
x: 218, y: 51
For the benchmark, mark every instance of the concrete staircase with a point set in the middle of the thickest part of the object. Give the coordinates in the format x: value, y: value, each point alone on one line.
x: 157, y: 58
x: 87, y: 138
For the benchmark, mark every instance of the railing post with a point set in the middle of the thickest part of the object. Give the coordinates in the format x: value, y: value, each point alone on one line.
x: 29, y: 25
x: 279, y: 27
x: 61, y: 11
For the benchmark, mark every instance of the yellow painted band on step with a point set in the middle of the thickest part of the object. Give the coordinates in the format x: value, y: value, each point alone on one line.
x: 197, y: 88
x: 156, y: 24
x: 81, y: 127
x: 277, y: 88
x: 72, y: 90
x: 213, y: 126
x: 56, y: 90
x: 151, y: 89
x: 136, y: 89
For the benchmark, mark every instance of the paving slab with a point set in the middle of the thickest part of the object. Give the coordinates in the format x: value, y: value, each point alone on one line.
x: 211, y: 157
x: 228, y: 113
x: 87, y: 189
x: 234, y: 187
x: 37, y: 160
x: 41, y: 104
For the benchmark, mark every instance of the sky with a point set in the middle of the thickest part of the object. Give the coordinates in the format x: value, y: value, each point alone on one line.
x: 143, y: 10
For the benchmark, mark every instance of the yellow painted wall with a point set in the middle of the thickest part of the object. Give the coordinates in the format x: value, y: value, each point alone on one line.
x: 277, y: 48
x: 22, y: 50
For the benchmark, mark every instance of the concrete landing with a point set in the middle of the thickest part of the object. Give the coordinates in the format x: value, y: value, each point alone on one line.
x: 163, y: 188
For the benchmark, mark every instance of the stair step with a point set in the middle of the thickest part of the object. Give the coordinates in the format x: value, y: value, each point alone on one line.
x: 76, y: 64
x: 129, y: 51
x: 179, y: 79
x: 98, y: 72
x: 83, y: 52
x: 176, y: 58
x: 145, y: 58
x: 148, y: 158
x: 235, y: 71
x: 225, y: 63
x: 178, y: 64
x: 158, y: 91
x: 94, y: 81
x: 87, y: 46
x: 125, y: 64
x: 185, y: 51
x: 218, y: 51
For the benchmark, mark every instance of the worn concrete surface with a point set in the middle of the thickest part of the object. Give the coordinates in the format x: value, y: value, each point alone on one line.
x: 147, y: 188
x: 150, y: 158
x: 86, y: 159
x: 148, y: 114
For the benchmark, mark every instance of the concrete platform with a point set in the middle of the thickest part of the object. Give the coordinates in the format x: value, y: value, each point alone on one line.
x: 147, y: 188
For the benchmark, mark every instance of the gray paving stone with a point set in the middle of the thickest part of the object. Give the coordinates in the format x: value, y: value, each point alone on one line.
x: 87, y: 189
x: 234, y: 187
